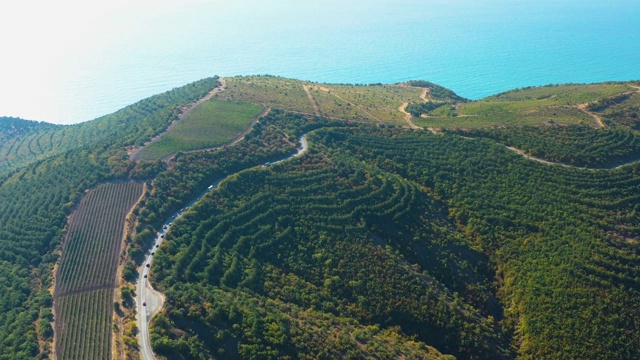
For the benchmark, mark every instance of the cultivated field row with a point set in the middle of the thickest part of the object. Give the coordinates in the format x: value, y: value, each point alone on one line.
x: 86, y: 277
x: 90, y: 254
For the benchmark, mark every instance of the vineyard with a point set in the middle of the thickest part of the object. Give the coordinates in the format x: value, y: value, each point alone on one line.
x: 210, y: 124
x: 86, y: 329
x: 38, y: 189
x: 87, y: 273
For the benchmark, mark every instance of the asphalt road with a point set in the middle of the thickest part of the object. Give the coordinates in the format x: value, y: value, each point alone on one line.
x: 154, y: 299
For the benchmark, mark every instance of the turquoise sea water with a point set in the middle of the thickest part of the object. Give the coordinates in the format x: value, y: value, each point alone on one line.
x: 474, y: 47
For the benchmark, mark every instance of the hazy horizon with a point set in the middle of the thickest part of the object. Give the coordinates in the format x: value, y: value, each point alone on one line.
x: 69, y: 61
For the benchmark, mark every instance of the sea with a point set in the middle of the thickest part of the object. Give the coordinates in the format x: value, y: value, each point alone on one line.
x: 68, y: 62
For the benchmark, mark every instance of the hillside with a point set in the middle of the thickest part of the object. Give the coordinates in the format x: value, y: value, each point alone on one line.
x: 412, y: 227
x: 38, y: 194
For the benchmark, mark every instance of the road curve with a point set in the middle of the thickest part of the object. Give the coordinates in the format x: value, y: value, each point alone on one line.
x: 145, y: 293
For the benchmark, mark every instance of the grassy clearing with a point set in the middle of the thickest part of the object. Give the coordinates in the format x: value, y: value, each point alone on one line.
x: 562, y: 94
x: 378, y: 103
x: 272, y: 91
x: 375, y: 102
x: 531, y: 106
x: 213, y: 123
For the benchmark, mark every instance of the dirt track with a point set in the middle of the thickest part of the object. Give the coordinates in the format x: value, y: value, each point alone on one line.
x: 134, y: 153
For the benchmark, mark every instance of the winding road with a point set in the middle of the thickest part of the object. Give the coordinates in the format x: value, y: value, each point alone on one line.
x: 149, y: 301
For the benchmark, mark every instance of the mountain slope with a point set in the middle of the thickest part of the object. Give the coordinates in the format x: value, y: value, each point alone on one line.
x: 381, y: 241
x: 132, y: 125
x: 38, y: 193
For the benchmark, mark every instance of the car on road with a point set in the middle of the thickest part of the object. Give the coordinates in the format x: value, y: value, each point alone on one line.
x: 144, y: 303
x: 145, y: 276
x: 148, y: 265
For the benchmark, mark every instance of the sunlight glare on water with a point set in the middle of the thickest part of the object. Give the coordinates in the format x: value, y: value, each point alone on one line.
x: 68, y: 61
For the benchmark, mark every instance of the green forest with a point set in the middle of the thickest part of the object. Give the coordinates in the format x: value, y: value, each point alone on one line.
x: 38, y: 190
x: 382, y: 240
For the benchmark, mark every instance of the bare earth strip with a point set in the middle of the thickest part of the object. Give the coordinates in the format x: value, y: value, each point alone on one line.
x: 325, y: 89
x: 134, y: 152
x: 546, y: 162
x: 403, y: 109
x: 533, y: 158
x: 407, y: 116
x: 423, y: 94
x: 583, y: 107
x: 313, y: 102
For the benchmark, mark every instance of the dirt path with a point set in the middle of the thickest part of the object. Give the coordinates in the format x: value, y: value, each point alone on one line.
x: 533, y: 158
x: 135, y: 151
x: 313, y: 102
x: 407, y: 116
x: 546, y: 162
x: 325, y: 89
x: 423, y: 94
x: 583, y: 107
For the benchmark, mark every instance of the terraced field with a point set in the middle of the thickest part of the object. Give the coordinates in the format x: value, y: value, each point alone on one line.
x: 312, y: 233
x: 379, y: 242
x: 351, y: 233
x: 86, y: 277
x: 550, y: 263
x: 578, y: 145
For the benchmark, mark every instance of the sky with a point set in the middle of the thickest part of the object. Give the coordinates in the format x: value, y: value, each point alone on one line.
x: 68, y: 61
x: 41, y: 39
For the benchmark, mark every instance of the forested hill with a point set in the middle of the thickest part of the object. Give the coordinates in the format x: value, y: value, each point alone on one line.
x: 12, y: 126
x: 50, y: 168
x: 23, y: 142
x: 418, y: 224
